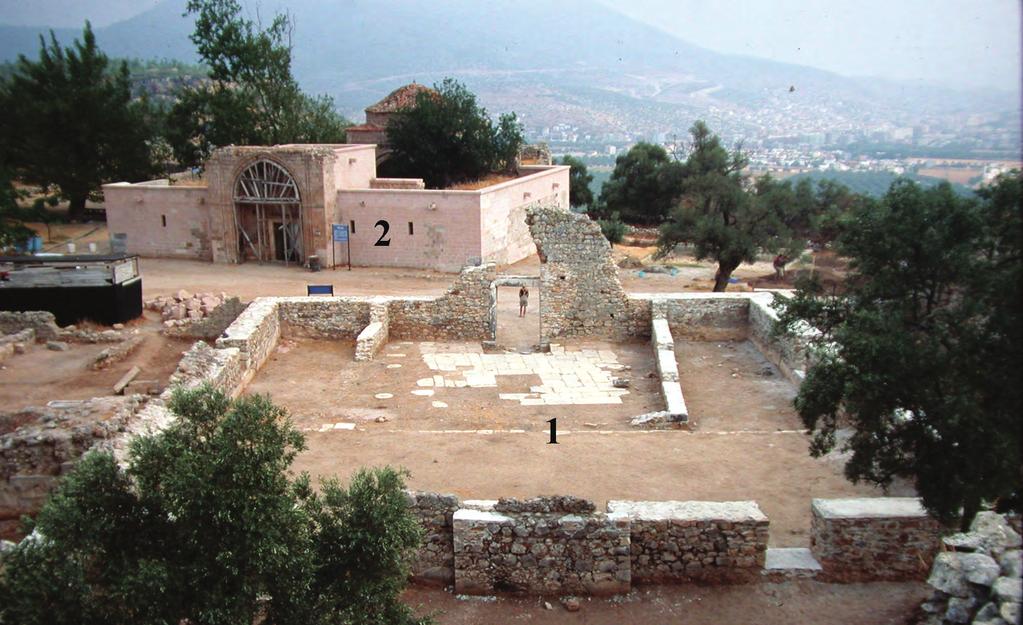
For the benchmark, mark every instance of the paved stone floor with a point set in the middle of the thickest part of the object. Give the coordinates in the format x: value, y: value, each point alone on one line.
x: 567, y: 376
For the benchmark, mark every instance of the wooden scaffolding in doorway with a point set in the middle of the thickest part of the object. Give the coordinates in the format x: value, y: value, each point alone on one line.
x: 268, y: 214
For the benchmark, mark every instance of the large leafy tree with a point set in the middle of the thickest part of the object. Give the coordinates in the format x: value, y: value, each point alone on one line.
x: 446, y: 137
x: 69, y: 121
x: 724, y: 220
x: 645, y: 184
x: 579, y: 193
x: 251, y: 97
x: 205, y: 526
x: 921, y: 355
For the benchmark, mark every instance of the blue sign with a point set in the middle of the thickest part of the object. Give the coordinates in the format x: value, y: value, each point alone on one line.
x: 340, y: 233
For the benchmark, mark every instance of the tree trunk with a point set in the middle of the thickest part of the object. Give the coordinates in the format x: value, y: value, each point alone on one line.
x: 723, y: 274
x: 76, y: 207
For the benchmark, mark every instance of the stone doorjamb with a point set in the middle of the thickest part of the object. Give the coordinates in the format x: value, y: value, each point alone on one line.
x: 531, y: 282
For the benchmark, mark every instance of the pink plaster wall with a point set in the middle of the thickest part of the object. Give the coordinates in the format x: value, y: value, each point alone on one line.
x: 137, y: 210
x: 444, y: 238
x: 505, y: 237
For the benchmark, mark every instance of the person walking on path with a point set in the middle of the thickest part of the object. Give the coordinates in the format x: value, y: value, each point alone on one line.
x: 523, y: 301
x: 779, y: 266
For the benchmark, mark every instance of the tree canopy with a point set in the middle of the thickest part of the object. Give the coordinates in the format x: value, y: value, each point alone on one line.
x: 920, y: 356
x: 69, y: 121
x: 251, y: 97
x: 724, y: 220
x: 205, y: 526
x: 446, y: 137
x: 579, y: 193
x: 644, y: 186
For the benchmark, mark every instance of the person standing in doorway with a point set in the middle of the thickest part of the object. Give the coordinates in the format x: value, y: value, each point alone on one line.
x: 523, y: 301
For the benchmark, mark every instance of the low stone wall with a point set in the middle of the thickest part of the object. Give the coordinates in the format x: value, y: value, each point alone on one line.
x: 222, y: 368
x: 12, y: 343
x: 34, y: 457
x: 324, y: 317
x: 695, y: 541
x: 667, y: 368
x: 44, y: 324
x: 461, y: 314
x: 254, y: 333
x: 873, y: 539
x: 435, y: 562
x: 708, y: 316
x: 788, y: 353
x: 374, y: 336
x: 540, y: 549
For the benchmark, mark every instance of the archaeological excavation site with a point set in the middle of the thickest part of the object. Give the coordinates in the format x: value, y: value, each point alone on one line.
x: 602, y: 441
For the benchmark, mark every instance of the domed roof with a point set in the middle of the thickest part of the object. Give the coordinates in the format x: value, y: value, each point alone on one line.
x: 400, y: 98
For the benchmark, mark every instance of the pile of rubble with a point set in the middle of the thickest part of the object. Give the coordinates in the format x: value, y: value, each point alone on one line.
x: 184, y: 308
x: 977, y: 579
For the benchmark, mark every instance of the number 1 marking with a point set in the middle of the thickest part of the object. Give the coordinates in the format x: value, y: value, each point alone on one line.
x: 554, y: 431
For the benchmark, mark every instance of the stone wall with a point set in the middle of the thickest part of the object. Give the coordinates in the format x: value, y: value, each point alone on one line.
x: 435, y: 562
x: 33, y: 456
x: 254, y: 333
x: 16, y: 342
x: 667, y: 368
x: 695, y: 541
x: 462, y: 313
x: 44, y: 324
x: 788, y: 353
x: 541, y: 546
x: 581, y: 294
x: 222, y: 368
x: 708, y: 316
x: 375, y: 335
x: 324, y: 317
x: 873, y: 539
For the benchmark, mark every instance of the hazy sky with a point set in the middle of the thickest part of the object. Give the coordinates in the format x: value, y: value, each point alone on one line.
x: 960, y: 43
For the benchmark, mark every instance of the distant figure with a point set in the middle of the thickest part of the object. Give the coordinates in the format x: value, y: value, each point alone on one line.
x: 779, y: 266
x: 792, y: 88
x: 523, y: 301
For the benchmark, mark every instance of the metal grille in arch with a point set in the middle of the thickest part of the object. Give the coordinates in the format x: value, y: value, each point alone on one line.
x: 266, y: 182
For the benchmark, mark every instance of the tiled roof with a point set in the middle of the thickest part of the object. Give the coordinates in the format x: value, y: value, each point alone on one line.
x: 402, y: 97
x: 367, y: 128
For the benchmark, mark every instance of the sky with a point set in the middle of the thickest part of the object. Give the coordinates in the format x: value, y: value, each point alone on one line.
x: 958, y: 43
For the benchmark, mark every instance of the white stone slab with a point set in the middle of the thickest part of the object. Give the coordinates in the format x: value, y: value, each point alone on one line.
x: 479, y: 516
x: 791, y: 559
x: 344, y: 426
x: 384, y: 395
x: 439, y: 404
x: 868, y: 507
x: 733, y: 511
x: 423, y: 392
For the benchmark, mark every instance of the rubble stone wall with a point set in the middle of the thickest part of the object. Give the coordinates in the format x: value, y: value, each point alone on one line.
x: 44, y: 323
x: 873, y: 539
x: 708, y: 316
x: 695, y: 541
x: 435, y: 562
x: 254, y: 333
x: 548, y: 551
x: 375, y: 335
x: 581, y: 294
x: 462, y: 313
x: 324, y: 317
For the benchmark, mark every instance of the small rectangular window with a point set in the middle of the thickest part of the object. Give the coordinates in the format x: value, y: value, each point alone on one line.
x: 352, y: 226
x: 163, y: 220
x: 410, y: 231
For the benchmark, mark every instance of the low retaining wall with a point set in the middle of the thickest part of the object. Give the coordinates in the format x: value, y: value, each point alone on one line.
x: 254, y: 333
x: 540, y: 549
x: 435, y: 562
x: 695, y: 541
x: 873, y: 539
x: 788, y: 353
x: 375, y: 335
x: 44, y: 324
x: 708, y: 316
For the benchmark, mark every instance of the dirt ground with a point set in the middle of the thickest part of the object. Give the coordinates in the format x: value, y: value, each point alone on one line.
x: 790, y: 603
x: 747, y: 444
x: 41, y: 375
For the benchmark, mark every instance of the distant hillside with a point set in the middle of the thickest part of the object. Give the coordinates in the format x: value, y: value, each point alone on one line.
x: 874, y: 183
x: 571, y: 61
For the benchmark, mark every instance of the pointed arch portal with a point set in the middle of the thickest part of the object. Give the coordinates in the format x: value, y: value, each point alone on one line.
x: 268, y: 214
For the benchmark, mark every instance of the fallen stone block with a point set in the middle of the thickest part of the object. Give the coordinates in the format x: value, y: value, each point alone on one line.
x: 57, y: 346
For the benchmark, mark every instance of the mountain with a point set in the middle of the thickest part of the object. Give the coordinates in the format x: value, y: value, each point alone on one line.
x: 572, y: 61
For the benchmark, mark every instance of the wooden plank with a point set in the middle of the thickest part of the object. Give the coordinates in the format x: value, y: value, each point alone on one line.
x: 126, y: 380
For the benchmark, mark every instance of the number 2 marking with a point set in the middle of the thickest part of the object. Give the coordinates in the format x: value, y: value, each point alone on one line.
x: 554, y: 431
x: 387, y: 227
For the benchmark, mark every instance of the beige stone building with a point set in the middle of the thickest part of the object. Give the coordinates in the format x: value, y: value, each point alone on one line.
x: 279, y: 203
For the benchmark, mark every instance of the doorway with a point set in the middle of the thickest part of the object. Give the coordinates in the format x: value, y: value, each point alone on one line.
x: 513, y: 331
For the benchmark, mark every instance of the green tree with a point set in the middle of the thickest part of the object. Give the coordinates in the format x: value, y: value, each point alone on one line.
x: 920, y: 356
x: 720, y: 217
x: 69, y: 121
x: 446, y: 137
x: 613, y: 229
x: 579, y: 193
x: 205, y: 526
x: 643, y: 187
x: 251, y: 97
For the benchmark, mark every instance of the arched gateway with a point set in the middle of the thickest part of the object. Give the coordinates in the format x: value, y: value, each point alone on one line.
x: 268, y: 214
